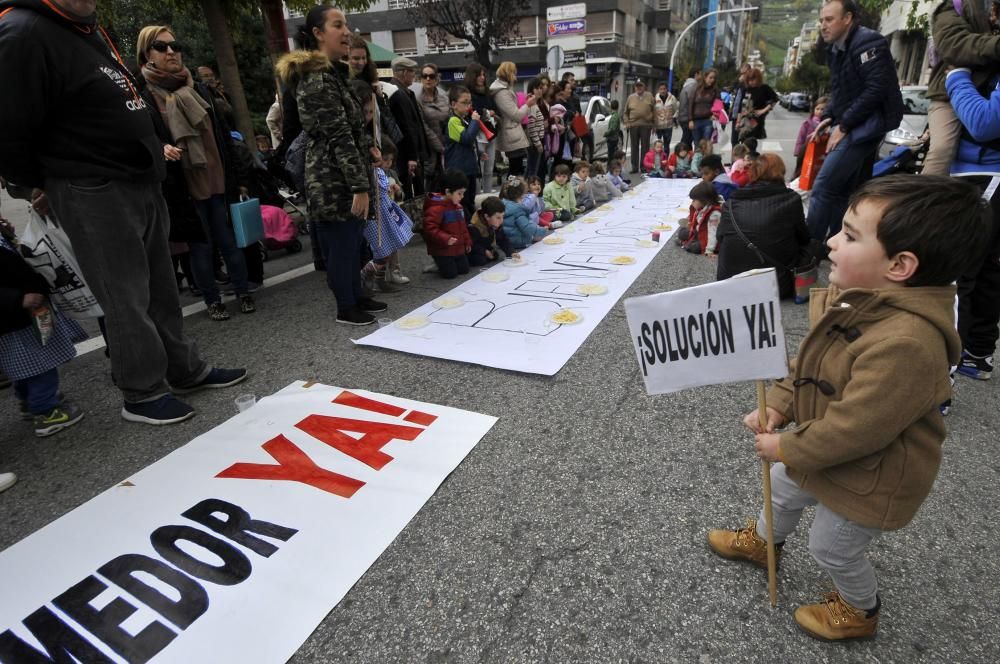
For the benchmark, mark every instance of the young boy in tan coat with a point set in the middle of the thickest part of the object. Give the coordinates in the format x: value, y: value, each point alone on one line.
x: 865, y: 391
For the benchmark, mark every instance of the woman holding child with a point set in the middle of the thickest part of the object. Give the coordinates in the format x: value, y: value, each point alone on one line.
x: 769, y: 215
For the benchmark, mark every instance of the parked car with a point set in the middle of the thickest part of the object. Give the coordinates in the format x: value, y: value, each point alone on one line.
x: 914, y: 124
x: 597, y: 110
x: 798, y: 101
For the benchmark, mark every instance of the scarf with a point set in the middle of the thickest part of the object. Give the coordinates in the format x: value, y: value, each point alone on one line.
x: 184, y: 111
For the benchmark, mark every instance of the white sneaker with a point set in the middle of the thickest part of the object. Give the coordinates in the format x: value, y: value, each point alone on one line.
x: 431, y: 268
x: 556, y: 224
x: 397, y: 277
x: 7, y: 480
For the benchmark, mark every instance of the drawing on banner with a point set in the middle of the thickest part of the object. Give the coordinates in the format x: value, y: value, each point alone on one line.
x: 584, y: 269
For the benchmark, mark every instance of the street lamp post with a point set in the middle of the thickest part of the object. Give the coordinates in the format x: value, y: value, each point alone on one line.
x: 673, y: 54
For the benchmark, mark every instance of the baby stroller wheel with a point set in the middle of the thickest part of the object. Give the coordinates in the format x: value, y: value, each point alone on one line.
x: 294, y: 247
x: 263, y: 252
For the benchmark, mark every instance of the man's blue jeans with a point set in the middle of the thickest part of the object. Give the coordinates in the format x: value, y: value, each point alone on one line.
x: 838, y: 178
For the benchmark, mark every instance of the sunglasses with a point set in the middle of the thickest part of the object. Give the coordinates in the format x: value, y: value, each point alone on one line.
x: 428, y: 77
x: 162, y: 46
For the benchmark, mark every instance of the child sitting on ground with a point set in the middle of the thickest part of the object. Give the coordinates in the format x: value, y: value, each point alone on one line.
x: 712, y: 171
x: 615, y: 175
x: 445, y: 230
x: 679, y: 163
x: 739, y: 172
x: 535, y: 204
x: 654, y: 164
x: 865, y: 391
x: 602, y: 187
x: 32, y: 364
x: 388, y: 231
x: 520, y: 230
x: 703, y: 149
x: 559, y: 196
x: 489, y: 242
x: 620, y: 158
x: 704, y: 216
x: 580, y: 182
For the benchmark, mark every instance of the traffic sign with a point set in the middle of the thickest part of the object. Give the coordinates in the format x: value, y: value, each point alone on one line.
x: 573, y: 27
x: 564, y: 12
x: 571, y: 58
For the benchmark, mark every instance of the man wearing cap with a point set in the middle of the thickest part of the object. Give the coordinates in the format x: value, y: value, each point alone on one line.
x: 639, y: 117
x: 413, y: 149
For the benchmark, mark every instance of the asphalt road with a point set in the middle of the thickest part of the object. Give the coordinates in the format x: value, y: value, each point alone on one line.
x: 575, y: 530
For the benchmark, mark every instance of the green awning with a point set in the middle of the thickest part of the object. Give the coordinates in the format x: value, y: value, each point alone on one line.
x: 380, y: 54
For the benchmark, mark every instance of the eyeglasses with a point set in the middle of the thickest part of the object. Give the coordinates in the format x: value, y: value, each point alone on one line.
x: 162, y: 46
x: 428, y: 77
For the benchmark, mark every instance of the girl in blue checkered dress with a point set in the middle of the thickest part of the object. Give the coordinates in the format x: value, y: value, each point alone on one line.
x: 31, y: 365
x: 390, y: 230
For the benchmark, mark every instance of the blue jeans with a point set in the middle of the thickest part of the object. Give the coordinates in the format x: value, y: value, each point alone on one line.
x: 40, y: 393
x: 840, y: 175
x: 341, y: 241
x: 218, y: 232
x: 702, y: 130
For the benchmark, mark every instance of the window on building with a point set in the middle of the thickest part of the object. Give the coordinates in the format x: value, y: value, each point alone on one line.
x: 601, y: 27
x: 527, y: 33
x: 442, y: 42
x: 404, y: 42
x: 401, y: 4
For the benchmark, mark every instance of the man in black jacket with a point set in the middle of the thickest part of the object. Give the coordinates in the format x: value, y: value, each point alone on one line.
x: 865, y: 103
x: 413, y: 149
x: 83, y: 134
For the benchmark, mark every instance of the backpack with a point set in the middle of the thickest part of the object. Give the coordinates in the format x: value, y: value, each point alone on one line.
x: 295, y: 161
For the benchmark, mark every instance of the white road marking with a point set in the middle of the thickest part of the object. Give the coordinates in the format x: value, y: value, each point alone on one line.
x: 96, y: 343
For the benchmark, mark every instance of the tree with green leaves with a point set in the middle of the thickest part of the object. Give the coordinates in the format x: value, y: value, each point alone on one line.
x: 486, y: 24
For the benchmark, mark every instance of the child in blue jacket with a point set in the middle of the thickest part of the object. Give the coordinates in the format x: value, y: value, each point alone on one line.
x: 460, y: 153
x: 520, y: 230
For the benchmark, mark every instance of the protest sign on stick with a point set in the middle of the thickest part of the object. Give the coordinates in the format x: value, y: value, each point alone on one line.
x: 721, y: 332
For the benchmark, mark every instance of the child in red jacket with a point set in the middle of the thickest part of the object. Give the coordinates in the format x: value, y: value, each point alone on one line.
x: 703, y: 221
x: 445, y: 230
x: 655, y: 162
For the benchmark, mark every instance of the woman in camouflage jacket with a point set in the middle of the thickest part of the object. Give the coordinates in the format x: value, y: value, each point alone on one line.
x: 338, y: 163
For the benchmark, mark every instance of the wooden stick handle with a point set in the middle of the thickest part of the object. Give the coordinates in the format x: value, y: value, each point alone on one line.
x: 765, y: 468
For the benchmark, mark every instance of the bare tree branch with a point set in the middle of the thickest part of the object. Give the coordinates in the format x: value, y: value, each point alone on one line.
x: 485, y: 24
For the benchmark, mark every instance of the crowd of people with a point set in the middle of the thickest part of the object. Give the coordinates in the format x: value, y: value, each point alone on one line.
x: 147, y: 164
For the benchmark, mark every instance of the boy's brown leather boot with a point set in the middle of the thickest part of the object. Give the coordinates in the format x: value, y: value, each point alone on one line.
x: 833, y: 619
x: 742, y: 544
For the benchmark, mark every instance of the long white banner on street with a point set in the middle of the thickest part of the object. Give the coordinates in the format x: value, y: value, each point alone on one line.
x: 533, y: 316
x: 234, y: 547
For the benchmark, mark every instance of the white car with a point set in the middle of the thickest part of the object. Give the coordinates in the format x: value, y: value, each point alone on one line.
x: 597, y: 110
x: 914, y: 124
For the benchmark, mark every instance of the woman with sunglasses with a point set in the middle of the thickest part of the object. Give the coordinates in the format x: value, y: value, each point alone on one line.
x: 339, y: 155
x: 204, y: 175
x: 434, y: 104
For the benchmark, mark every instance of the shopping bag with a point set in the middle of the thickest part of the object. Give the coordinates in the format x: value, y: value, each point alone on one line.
x: 45, y: 246
x: 248, y: 223
x: 812, y: 162
x: 579, y: 125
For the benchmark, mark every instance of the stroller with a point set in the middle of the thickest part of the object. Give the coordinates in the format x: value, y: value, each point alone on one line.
x: 280, y: 232
x: 904, y: 159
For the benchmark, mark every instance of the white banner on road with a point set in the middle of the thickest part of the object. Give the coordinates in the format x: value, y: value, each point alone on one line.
x: 234, y: 547
x: 508, y: 316
x: 721, y: 332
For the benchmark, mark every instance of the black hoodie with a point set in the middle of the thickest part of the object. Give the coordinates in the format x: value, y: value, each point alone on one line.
x: 69, y: 108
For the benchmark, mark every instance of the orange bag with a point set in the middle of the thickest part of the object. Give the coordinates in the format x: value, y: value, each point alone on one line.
x: 812, y: 161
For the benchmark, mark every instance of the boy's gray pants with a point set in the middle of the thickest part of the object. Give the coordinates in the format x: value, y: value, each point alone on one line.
x: 119, y: 233
x: 837, y: 544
